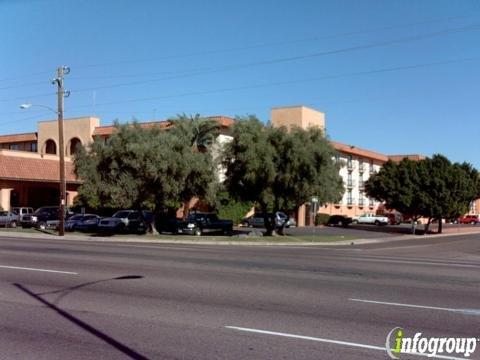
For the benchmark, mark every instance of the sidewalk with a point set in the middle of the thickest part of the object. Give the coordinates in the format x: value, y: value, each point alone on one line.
x: 166, y: 239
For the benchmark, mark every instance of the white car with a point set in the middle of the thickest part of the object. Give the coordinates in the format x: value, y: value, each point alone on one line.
x: 370, y: 219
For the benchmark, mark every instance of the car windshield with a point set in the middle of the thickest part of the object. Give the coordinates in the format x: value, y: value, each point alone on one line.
x: 193, y: 217
x: 42, y: 210
x: 121, y: 214
x: 76, y: 217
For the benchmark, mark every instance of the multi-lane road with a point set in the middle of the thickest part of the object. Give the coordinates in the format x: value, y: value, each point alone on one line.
x: 91, y: 300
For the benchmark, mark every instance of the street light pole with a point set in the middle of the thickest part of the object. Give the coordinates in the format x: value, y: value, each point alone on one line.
x: 61, y: 71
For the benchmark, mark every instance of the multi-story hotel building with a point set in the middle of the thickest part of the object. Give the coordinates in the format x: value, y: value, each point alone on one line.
x: 29, y: 171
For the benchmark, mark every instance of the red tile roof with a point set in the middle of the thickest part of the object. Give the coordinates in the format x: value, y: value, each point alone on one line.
x: 110, y: 129
x: 18, y: 138
x: 31, y: 169
x: 225, y: 122
x: 398, y: 158
x: 350, y: 149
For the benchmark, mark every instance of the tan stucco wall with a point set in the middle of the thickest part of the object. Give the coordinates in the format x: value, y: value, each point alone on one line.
x: 301, y: 116
x: 5, y: 198
x: 81, y: 128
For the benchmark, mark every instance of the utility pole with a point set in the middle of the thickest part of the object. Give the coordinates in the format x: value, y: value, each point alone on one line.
x: 61, y: 93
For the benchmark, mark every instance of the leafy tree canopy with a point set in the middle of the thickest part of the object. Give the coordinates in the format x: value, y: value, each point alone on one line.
x: 146, y: 167
x: 434, y: 188
x: 279, y: 169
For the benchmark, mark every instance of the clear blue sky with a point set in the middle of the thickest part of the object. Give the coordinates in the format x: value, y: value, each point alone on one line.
x: 245, y: 57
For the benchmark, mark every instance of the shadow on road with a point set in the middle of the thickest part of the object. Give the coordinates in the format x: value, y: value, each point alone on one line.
x: 106, y: 338
x: 65, y: 291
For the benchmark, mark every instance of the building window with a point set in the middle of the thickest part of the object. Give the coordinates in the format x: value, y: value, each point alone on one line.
x: 14, y: 147
x: 371, y: 166
x: 350, y: 183
x: 349, y: 198
x: 33, y: 147
x: 75, y: 144
x: 50, y: 147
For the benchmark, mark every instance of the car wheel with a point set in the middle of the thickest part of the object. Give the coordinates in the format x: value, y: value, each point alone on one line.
x: 13, y: 224
x: 198, y: 232
x: 472, y: 222
x: 377, y: 222
x: 42, y: 225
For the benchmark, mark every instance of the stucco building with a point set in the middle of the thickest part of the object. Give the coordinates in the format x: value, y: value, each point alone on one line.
x: 29, y: 170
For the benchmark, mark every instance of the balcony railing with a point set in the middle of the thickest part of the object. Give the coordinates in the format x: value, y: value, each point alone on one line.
x: 350, y: 166
x: 361, y: 167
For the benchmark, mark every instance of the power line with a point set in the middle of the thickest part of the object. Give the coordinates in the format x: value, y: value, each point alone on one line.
x: 278, y: 43
x: 20, y: 98
x: 25, y: 119
x: 292, y: 58
x: 249, y: 47
x: 23, y: 85
x: 280, y: 83
x: 25, y: 76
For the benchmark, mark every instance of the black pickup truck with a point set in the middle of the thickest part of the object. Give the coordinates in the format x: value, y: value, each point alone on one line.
x: 200, y: 223
x: 43, y: 218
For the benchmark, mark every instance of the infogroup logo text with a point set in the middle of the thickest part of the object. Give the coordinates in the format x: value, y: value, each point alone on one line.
x: 397, y: 343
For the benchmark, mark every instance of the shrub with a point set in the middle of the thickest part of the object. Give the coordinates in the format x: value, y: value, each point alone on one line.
x: 321, y: 219
x: 228, y: 208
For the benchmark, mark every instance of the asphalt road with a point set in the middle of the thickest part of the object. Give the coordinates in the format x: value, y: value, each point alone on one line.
x: 74, y: 300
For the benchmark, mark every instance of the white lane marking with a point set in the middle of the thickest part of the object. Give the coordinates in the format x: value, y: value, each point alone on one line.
x: 330, y: 341
x: 33, y: 269
x: 430, y: 263
x: 462, y: 311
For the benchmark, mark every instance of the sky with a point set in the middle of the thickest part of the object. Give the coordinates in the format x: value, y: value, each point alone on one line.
x: 393, y: 76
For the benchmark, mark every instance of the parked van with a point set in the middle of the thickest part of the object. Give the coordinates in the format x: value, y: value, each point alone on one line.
x: 21, y: 212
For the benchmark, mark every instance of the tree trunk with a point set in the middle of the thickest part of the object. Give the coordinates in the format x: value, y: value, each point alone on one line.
x: 269, y: 223
x: 427, y: 226
x: 440, y: 225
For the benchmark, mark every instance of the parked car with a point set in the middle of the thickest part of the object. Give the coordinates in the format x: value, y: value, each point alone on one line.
x: 168, y: 225
x: 394, y: 218
x: 469, y: 219
x: 21, y: 212
x: 257, y: 220
x: 82, y: 222
x: 43, y: 218
x: 370, y: 219
x: 8, y: 219
x: 126, y: 221
x: 339, y: 220
x: 198, y: 223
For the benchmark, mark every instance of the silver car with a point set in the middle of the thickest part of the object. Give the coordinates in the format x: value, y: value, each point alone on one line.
x: 8, y: 219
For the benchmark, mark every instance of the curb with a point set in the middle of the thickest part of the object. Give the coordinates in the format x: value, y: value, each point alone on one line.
x: 8, y: 234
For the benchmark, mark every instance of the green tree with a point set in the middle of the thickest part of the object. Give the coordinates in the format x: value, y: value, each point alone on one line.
x: 279, y: 169
x: 139, y: 167
x: 433, y: 188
